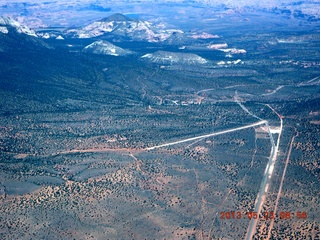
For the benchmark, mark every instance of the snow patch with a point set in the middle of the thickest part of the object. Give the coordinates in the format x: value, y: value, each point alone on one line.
x: 4, y: 30
x: 230, y: 62
x: 233, y: 50
x: 204, y: 35
x: 237, y: 61
x: 217, y: 46
x: 46, y: 35
x: 8, y: 21
x: 164, y: 57
x: 148, y: 55
x: 106, y: 48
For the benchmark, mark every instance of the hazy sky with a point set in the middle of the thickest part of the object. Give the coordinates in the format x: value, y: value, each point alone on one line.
x: 37, y: 13
x: 212, y: 2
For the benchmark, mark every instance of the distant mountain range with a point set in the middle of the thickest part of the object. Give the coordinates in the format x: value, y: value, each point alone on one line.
x: 15, y: 36
x: 116, y: 27
x: 36, y: 13
x: 123, y: 27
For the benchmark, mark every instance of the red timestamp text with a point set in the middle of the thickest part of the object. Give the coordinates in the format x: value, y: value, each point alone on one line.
x: 263, y: 215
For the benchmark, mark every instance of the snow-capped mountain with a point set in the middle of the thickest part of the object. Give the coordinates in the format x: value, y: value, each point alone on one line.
x: 7, y: 24
x: 164, y: 57
x: 106, y: 48
x: 120, y: 25
x: 51, y: 34
x: 17, y: 37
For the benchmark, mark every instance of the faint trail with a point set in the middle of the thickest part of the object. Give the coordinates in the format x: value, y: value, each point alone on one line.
x: 203, y: 203
x: 254, y: 152
x: 205, y: 90
x: 310, y: 82
x: 212, y: 89
x: 97, y: 150
x: 239, y: 85
x: 281, y: 125
x: 237, y: 100
x: 138, y: 163
x: 281, y: 183
x: 274, y: 91
x: 193, y: 143
x: 217, y: 212
x: 143, y: 89
x: 313, y: 232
